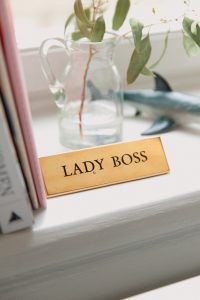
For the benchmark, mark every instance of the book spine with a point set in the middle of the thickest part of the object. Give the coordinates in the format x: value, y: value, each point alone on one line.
x: 17, y: 81
x: 11, y: 113
x: 15, y: 210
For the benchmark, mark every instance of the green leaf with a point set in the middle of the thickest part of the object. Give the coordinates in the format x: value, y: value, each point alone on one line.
x: 87, y: 12
x: 187, y: 28
x: 76, y: 35
x: 83, y: 29
x: 81, y: 14
x: 98, y: 30
x: 136, y: 27
x: 59, y: 95
x: 194, y: 27
x: 139, y: 59
x: 147, y: 72
x: 163, y: 52
x: 121, y: 11
x: 190, y: 46
x: 68, y: 21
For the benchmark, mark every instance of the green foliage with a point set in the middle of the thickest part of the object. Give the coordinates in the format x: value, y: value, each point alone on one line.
x: 89, y: 23
x: 121, y: 11
x: 76, y: 35
x: 139, y: 59
x: 192, y: 29
x: 147, y: 72
x: 83, y: 28
x: 80, y: 13
x: 136, y: 27
x: 163, y: 52
x: 98, y: 30
x: 189, y: 45
x: 93, y: 30
x: 87, y: 12
x: 68, y: 21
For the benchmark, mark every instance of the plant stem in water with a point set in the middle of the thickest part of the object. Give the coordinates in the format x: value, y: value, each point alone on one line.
x: 96, y: 5
x: 83, y: 93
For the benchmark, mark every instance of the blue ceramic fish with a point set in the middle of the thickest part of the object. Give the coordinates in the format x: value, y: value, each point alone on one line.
x: 168, y: 107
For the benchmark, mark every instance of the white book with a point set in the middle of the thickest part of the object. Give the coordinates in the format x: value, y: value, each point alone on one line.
x: 15, y: 210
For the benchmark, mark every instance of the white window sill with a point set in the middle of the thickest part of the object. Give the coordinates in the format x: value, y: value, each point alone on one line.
x: 114, y: 240
x: 109, y: 242
x: 183, y: 290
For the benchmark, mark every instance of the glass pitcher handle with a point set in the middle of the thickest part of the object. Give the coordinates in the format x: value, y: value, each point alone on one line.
x: 56, y: 87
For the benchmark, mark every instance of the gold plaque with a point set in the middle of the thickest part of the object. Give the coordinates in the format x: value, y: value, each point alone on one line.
x: 104, y: 165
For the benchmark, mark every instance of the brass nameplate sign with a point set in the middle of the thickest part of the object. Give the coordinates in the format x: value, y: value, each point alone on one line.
x: 104, y: 165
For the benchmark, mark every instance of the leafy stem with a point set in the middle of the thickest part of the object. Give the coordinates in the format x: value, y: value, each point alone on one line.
x: 83, y: 93
x: 89, y: 23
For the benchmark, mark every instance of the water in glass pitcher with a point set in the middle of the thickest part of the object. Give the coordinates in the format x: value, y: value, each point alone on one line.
x: 101, y: 124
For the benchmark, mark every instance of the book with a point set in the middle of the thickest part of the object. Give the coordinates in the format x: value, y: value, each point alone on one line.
x: 15, y: 209
x: 9, y: 105
x: 20, y: 96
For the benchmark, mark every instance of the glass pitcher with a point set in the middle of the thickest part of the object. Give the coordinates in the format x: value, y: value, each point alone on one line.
x: 88, y: 95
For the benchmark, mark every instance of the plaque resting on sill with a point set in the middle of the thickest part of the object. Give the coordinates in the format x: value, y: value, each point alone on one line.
x: 104, y: 165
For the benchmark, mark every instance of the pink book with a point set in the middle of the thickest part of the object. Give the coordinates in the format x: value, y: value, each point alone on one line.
x: 18, y: 140
x: 9, y: 45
